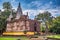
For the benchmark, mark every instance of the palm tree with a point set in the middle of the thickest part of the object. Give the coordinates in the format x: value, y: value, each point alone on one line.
x: 46, y: 18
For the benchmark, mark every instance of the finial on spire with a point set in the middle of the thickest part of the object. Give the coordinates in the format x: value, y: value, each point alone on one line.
x: 27, y: 13
x: 19, y: 4
x: 35, y: 18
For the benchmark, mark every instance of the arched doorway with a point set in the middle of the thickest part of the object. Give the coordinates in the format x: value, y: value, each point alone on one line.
x: 35, y: 27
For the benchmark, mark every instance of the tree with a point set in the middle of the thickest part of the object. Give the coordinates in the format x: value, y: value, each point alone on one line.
x: 56, y: 25
x: 45, y: 17
x: 4, y: 15
x: 7, y: 6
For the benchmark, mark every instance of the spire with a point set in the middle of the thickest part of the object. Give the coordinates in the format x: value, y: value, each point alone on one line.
x: 19, y: 12
x: 0, y: 12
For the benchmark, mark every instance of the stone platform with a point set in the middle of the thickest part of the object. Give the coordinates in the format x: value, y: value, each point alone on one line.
x: 18, y: 33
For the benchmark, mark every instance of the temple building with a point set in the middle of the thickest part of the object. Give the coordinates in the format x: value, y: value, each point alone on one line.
x: 21, y: 22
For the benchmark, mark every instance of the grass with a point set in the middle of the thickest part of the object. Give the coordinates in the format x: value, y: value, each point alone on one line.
x: 7, y: 38
x: 14, y: 38
x: 54, y: 36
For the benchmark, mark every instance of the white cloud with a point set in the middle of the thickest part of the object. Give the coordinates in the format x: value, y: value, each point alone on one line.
x: 2, y: 9
x: 12, y: 0
x: 36, y: 12
x: 41, y: 8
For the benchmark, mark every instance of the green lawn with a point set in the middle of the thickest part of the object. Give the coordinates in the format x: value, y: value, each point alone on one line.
x: 54, y: 36
x: 14, y: 38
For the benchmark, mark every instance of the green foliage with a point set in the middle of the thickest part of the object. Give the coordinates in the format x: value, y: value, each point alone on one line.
x: 45, y: 17
x: 56, y: 26
x: 7, y: 5
x: 43, y: 29
x: 4, y: 15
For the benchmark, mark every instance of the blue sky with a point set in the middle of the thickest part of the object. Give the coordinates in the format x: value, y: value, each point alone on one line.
x: 34, y: 7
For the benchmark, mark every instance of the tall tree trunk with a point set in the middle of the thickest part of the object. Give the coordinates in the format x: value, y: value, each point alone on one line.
x: 46, y: 30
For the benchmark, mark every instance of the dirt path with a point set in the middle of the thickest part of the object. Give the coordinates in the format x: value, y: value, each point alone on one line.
x: 39, y: 38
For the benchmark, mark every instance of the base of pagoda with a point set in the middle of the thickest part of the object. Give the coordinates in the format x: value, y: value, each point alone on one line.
x: 18, y: 33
